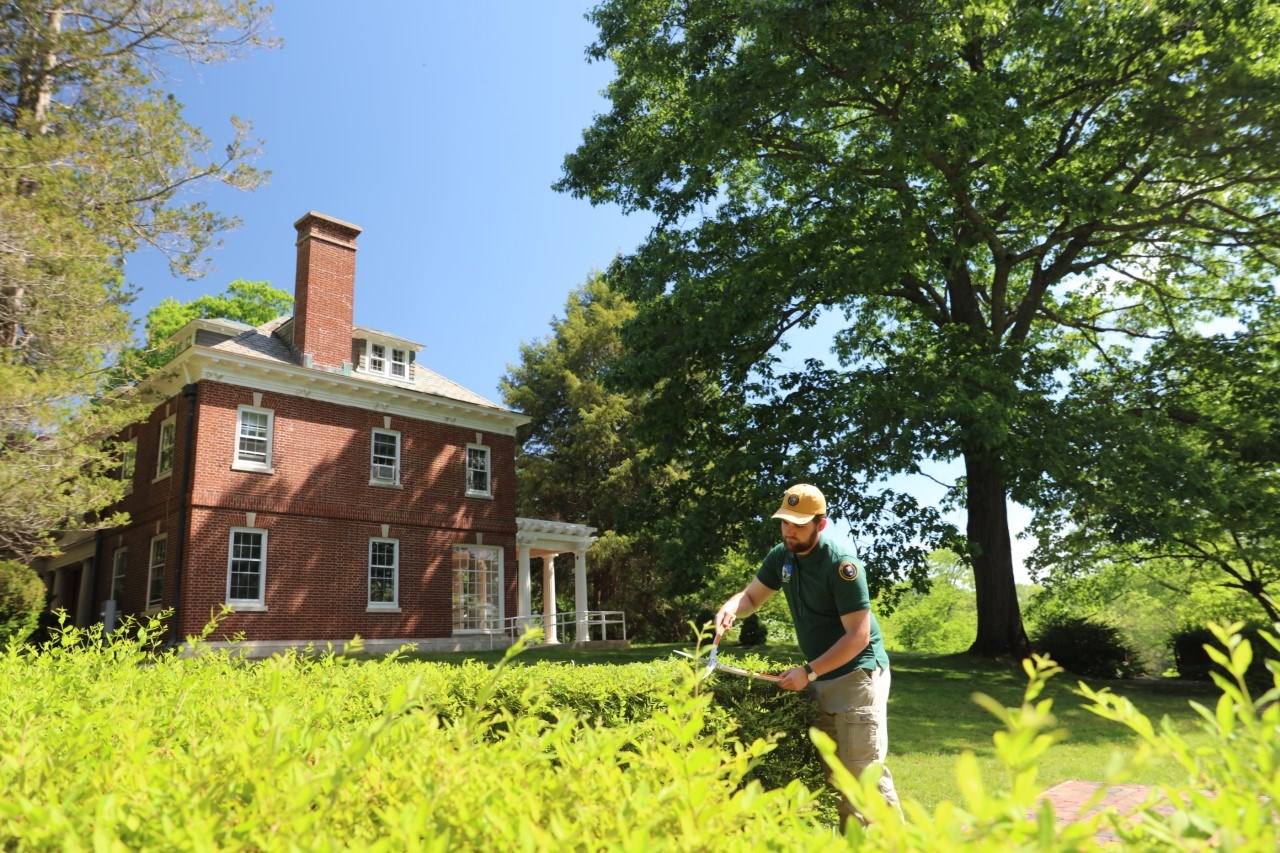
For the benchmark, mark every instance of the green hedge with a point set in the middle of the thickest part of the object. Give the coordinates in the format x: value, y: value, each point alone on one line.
x: 107, y: 746
x: 110, y: 747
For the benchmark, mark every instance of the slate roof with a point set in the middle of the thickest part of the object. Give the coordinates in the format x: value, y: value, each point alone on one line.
x: 265, y: 343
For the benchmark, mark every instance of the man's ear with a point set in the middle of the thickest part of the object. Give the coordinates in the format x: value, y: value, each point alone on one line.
x: 822, y: 525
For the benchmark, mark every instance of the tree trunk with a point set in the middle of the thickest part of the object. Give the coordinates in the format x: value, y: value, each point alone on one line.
x: 1000, y: 630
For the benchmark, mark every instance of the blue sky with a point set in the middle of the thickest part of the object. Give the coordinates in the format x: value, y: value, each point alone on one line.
x: 439, y: 129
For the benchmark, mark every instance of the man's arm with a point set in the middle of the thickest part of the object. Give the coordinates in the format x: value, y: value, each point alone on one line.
x: 742, y: 605
x: 857, y: 633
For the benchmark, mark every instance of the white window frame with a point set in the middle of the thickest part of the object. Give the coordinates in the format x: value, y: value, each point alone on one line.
x: 165, y: 450
x: 399, y: 359
x: 377, y: 468
x: 487, y: 492
x: 248, y: 604
x: 119, y: 564
x: 155, y: 572
x: 490, y: 588
x: 392, y: 606
x: 128, y: 463
x: 376, y: 363
x: 258, y: 466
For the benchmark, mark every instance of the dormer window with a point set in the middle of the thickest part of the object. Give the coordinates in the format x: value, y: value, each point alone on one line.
x: 383, y: 360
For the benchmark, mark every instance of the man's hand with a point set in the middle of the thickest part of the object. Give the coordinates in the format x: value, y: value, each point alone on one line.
x: 725, y: 618
x: 794, y: 679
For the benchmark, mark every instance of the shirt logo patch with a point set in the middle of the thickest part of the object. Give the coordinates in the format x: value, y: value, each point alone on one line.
x: 786, y: 573
x: 849, y: 570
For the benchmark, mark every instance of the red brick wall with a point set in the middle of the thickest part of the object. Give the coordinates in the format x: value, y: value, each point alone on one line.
x: 320, y: 512
x: 154, y: 507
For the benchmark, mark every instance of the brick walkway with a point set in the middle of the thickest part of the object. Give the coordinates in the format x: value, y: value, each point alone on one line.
x: 1070, y: 798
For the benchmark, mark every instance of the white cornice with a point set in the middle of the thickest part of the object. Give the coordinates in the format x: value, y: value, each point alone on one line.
x: 198, y: 363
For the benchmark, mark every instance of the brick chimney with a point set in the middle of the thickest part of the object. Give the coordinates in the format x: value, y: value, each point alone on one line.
x: 324, y: 290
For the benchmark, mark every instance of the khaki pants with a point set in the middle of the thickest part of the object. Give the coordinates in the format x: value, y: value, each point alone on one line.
x: 853, y: 712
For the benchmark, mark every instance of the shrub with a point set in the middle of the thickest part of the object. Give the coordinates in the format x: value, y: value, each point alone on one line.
x: 22, y: 596
x: 1088, y: 648
x: 753, y: 632
x: 1191, y: 653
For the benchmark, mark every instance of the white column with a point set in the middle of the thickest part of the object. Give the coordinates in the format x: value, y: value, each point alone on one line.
x: 549, y: 597
x: 524, y: 607
x: 580, y: 593
x: 84, y: 603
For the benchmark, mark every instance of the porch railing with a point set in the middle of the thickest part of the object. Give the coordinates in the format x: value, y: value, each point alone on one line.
x: 596, y: 624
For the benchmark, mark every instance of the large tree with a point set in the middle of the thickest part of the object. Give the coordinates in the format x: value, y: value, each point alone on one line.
x: 986, y: 193
x: 95, y: 158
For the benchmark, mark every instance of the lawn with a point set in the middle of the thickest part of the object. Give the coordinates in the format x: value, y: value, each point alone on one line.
x: 932, y: 716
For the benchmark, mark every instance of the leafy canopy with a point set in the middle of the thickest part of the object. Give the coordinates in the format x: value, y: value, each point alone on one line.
x: 982, y: 196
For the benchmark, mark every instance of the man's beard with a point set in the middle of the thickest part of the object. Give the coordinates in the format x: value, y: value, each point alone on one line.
x: 801, y: 545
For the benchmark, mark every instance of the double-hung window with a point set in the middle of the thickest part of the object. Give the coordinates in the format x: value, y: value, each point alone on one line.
x: 384, y: 468
x: 164, y: 456
x: 155, y: 572
x: 399, y: 363
x: 118, y: 564
x: 384, y: 574
x: 128, y: 463
x: 477, y: 588
x: 377, y: 358
x: 254, y: 431
x: 247, y: 568
x: 478, y: 482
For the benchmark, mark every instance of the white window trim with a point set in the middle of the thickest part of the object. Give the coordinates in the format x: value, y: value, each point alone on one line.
x: 502, y: 586
x: 391, y: 357
x: 239, y: 464
x: 247, y: 605
x: 382, y: 481
x: 466, y: 471
x: 392, y: 606
x: 153, y: 606
x: 171, y: 421
x: 119, y: 567
x: 129, y: 458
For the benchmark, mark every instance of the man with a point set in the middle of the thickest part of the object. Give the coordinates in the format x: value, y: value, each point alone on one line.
x: 848, y: 671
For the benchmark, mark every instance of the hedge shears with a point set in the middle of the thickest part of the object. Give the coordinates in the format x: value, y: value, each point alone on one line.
x: 713, y: 664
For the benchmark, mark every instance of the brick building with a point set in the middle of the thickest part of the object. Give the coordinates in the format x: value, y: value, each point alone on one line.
x: 315, y: 478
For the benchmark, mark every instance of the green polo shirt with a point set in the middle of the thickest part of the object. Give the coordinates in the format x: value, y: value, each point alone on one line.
x: 820, y: 587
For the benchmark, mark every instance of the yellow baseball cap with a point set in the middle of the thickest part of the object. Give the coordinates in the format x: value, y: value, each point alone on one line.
x: 801, y: 503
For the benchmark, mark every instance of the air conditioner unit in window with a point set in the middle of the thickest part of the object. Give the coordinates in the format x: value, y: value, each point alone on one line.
x: 384, y: 472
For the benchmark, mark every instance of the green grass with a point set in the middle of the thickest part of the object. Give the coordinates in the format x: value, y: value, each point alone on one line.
x: 932, y: 717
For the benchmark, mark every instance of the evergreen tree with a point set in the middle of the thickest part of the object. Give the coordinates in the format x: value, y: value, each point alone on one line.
x: 580, y: 460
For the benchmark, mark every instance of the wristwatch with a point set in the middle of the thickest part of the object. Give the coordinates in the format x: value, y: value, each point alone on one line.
x: 813, y: 676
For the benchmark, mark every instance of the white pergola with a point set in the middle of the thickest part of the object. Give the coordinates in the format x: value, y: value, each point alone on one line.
x: 547, y: 539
